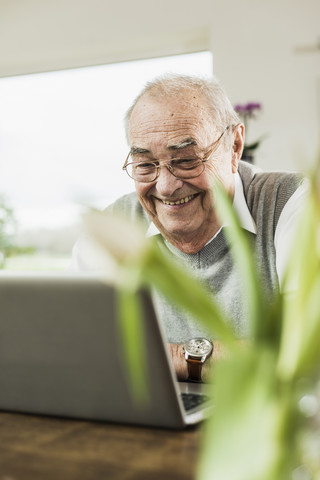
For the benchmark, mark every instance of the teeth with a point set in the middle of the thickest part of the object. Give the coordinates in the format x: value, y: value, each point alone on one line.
x: 179, y: 202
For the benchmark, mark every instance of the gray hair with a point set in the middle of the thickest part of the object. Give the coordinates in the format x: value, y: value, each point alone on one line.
x: 169, y: 85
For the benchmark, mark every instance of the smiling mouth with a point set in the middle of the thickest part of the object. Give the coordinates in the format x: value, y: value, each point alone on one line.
x: 181, y: 201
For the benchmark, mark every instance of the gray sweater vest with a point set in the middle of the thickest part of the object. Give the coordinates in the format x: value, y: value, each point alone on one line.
x: 266, y: 194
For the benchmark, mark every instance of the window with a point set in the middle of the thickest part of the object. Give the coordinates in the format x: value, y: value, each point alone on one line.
x: 62, y: 143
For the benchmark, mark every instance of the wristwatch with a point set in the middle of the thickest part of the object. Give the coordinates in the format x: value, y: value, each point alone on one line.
x: 196, y: 352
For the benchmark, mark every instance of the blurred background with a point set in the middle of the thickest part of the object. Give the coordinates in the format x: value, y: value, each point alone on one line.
x: 70, y: 69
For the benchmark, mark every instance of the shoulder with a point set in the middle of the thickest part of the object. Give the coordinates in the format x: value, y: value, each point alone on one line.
x: 267, y: 193
x: 130, y: 207
x: 253, y: 176
x: 268, y: 190
x: 255, y: 180
x: 85, y: 256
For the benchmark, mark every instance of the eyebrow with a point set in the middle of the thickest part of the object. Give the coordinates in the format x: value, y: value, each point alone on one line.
x: 175, y: 146
x: 183, y: 144
x: 134, y: 150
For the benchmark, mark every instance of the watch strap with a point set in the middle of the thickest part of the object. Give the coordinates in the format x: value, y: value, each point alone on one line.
x: 194, y: 369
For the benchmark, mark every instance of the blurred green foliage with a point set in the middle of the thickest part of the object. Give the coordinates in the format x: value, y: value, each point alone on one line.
x: 266, y: 418
x: 8, y: 226
x: 259, y: 391
x: 8, y: 230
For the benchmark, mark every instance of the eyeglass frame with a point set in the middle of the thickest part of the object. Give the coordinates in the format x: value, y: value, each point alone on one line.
x: 166, y: 163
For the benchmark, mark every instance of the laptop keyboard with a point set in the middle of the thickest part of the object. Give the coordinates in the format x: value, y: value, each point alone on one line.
x: 193, y: 400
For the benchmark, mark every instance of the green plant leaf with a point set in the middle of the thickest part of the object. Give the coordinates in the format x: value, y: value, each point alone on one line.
x: 133, y: 342
x: 178, y: 285
x: 246, y: 437
x: 299, y: 351
x: 244, y: 258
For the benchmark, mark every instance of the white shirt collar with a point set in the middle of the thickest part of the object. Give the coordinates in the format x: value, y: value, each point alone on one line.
x: 239, y: 204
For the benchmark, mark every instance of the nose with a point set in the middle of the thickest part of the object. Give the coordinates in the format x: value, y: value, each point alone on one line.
x: 167, y: 183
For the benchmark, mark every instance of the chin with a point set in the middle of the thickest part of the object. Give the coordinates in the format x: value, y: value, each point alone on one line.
x: 176, y: 233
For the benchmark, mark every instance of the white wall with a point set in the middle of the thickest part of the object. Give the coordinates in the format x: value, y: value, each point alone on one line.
x: 253, y: 44
x: 255, y: 58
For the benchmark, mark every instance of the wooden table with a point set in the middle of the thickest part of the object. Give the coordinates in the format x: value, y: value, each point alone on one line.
x: 44, y: 448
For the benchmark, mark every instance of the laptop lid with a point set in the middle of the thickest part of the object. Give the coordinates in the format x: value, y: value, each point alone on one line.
x: 61, y: 353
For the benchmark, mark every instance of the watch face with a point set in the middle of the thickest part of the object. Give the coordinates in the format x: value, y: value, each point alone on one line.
x: 198, y: 347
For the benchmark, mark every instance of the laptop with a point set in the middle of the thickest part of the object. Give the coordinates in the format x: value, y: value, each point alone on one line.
x: 61, y: 354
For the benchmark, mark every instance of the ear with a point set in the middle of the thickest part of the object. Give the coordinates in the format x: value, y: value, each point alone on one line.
x: 237, y: 147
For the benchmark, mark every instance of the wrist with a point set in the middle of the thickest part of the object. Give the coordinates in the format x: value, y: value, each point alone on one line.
x: 180, y: 365
x: 178, y: 360
x: 197, y: 351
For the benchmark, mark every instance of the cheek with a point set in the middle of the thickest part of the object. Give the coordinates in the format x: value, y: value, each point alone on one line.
x: 220, y: 168
x: 143, y: 195
x: 209, y: 176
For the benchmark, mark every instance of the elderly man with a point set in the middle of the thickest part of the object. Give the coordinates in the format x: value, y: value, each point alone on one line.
x: 184, y: 135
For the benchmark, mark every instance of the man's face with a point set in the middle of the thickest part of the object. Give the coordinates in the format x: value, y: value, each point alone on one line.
x: 162, y: 129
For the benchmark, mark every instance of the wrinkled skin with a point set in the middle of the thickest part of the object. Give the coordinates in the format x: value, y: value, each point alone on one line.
x: 156, y: 126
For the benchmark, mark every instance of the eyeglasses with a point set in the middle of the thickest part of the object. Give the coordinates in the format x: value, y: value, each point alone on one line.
x: 147, y: 171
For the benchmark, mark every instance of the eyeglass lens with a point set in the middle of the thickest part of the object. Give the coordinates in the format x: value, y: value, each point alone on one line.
x: 148, y: 171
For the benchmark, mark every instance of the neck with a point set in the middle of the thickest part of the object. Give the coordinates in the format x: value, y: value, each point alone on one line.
x: 194, y: 243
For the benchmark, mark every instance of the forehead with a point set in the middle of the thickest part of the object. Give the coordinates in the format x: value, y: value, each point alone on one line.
x: 167, y: 120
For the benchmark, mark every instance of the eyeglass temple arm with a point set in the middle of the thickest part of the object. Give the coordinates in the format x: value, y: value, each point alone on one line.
x: 125, y: 163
